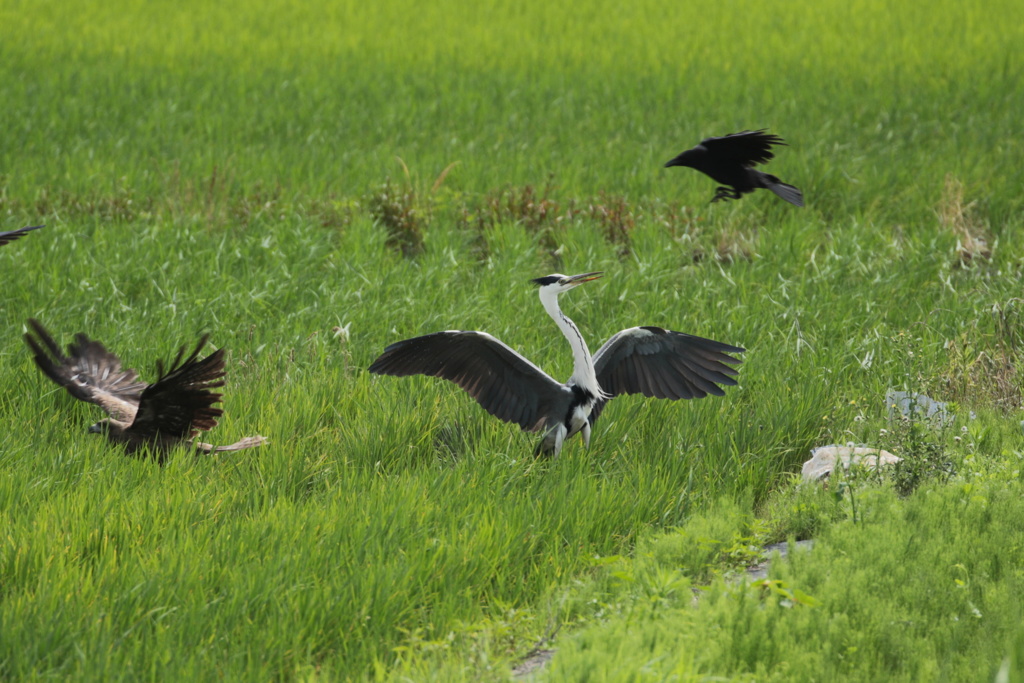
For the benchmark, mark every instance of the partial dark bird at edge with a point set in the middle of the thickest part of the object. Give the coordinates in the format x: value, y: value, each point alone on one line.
x: 730, y: 159
x: 12, y: 235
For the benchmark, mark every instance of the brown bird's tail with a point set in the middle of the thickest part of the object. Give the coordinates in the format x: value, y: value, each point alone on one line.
x: 784, y: 190
x: 247, y: 442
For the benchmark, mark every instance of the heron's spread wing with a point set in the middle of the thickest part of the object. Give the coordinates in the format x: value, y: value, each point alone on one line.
x: 747, y: 148
x: 180, y: 402
x: 12, y: 235
x: 506, y: 384
x: 89, y: 372
x: 663, y: 364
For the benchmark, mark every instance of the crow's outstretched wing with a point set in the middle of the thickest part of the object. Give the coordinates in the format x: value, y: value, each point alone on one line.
x: 746, y: 148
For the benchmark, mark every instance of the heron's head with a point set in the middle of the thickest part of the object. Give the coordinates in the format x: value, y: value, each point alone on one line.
x: 558, y: 283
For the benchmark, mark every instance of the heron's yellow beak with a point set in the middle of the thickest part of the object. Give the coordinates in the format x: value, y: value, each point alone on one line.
x: 583, y: 277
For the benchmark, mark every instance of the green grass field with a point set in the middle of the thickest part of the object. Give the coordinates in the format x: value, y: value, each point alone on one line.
x: 310, y: 183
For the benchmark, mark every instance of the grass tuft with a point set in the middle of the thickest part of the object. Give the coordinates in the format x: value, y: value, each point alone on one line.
x: 402, y: 215
x: 973, y: 237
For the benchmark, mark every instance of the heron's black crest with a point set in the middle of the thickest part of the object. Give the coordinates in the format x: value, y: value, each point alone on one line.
x: 546, y: 280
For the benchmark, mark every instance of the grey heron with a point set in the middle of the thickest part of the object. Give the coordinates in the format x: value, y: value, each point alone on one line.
x: 730, y: 160
x: 647, y: 360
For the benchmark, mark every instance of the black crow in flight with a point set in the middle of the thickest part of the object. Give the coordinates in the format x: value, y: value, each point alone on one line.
x: 730, y: 160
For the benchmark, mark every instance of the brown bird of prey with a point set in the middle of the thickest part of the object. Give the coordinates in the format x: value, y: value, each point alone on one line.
x: 160, y: 416
x: 730, y: 160
x: 12, y: 235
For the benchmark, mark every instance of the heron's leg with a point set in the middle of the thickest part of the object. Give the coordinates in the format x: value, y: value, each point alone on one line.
x: 559, y: 434
x: 586, y: 434
x: 551, y: 444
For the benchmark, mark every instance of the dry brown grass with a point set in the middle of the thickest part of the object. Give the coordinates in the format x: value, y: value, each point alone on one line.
x: 984, y: 365
x: 973, y: 238
x: 732, y: 245
x: 982, y: 375
x: 405, y: 209
x: 398, y: 211
x: 616, y: 219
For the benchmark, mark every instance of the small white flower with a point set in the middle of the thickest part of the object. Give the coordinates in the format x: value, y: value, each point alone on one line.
x: 341, y: 332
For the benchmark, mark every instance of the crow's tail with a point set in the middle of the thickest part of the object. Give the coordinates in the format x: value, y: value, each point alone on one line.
x: 784, y: 190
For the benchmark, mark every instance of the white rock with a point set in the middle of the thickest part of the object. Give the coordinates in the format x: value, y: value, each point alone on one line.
x: 824, y: 458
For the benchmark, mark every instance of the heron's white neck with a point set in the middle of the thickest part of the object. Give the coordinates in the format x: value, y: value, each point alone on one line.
x: 583, y: 374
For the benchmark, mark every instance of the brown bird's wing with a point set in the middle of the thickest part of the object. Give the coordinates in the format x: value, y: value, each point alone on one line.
x: 747, y: 148
x: 89, y: 372
x: 12, y: 235
x: 179, y: 403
